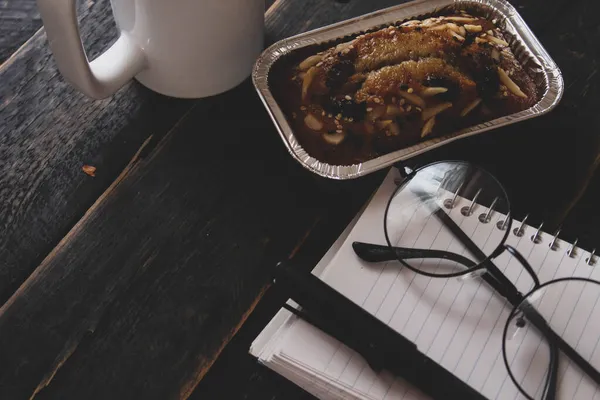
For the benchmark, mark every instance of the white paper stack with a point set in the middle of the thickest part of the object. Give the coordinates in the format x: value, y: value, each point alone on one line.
x: 457, y: 323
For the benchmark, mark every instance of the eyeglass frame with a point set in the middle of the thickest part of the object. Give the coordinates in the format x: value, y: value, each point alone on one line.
x: 500, y: 283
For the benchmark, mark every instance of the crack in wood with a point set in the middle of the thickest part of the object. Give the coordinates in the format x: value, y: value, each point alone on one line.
x: 60, y: 361
x: 72, y: 345
x: 77, y: 227
x: 188, y: 388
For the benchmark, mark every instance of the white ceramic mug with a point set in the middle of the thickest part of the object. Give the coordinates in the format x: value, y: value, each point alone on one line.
x: 180, y: 48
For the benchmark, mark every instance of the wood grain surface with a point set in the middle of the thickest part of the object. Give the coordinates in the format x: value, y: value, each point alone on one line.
x: 19, y: 20
x: 214, y: 234
x: 48, y: 131
x: 130, y: 284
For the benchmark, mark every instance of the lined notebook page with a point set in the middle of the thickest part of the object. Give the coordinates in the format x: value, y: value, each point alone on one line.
x: 458, y: 323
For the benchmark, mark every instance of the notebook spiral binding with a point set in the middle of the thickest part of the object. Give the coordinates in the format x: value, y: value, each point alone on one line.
x: 519, y: 231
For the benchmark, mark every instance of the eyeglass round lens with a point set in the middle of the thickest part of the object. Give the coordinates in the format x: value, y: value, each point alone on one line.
x: 558, y: 316
x: 438, y: 221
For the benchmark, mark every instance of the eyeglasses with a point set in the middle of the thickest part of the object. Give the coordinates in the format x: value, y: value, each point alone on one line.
x: 430, y: 195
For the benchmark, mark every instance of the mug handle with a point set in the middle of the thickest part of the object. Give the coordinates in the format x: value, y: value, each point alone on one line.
x: 104, y: 75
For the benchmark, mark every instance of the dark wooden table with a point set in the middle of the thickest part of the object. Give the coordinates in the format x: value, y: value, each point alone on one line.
x: 151, y: 279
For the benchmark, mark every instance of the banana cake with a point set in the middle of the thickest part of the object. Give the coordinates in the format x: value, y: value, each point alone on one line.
x: 402, y: 84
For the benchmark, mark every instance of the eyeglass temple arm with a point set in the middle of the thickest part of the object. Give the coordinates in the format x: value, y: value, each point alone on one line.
x: 378, y: 253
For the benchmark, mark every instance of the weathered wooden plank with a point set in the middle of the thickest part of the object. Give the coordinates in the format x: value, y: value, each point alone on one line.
x: 179, y: 245
x: 48, y: 131
x: 162, y: 275
x: 19, y: 20
x: 253, y: 381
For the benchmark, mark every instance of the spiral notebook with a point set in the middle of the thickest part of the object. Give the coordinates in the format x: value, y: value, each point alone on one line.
x: 457, y: 323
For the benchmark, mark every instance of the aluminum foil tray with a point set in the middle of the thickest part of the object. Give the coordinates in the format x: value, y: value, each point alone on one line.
x: 525, y: 46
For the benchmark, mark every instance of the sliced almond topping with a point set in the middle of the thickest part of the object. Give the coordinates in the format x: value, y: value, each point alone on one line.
x: 497, y: 40
x: 334, y: 138
x: 431, y: 21
x: 470, y: 107
x: 343, y: 46
x: 456, y: 35
x: 464, y: 20
x: 510, y: 84
x: 438, y: 27
x: 432, y: 91
x: 310, y: 62
x: 496, y: 55
x: 430, y: 112
x: 413, y: 98
x: 473, y: 28
x: 392, y: 111
x: 453, y: 27
x: 383, y: 123
x: 313, y: 122
x: 391, y: 128
x: 428, y: 127
x: 414, y: 22
x: 307, y: 81
x: 377, y: 112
